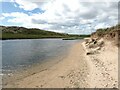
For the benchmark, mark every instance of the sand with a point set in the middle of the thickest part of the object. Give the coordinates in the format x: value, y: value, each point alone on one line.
x: 69, y: 72
x: 77, y: 70
x: 104, y: 66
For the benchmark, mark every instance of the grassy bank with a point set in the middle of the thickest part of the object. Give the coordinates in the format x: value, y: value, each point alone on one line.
x: 24, y: 36
x: 14, y: 32
x: 74, y: 38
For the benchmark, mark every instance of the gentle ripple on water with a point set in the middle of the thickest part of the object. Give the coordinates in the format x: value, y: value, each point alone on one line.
x: 18, y: 54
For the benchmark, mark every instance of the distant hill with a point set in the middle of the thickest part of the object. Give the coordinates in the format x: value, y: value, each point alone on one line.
x: 14, y: 32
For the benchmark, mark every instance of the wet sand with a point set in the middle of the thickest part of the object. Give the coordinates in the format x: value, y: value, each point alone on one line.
x: 70, y: 72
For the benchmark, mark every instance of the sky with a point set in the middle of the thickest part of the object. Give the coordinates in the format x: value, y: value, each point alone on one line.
x: 64, y: 16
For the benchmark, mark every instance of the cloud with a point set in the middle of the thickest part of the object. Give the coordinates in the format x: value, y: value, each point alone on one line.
x: 2, y: 17
x: 17, y: 17
x: 25, y: 4
x: 69, y: 16
x: 28, y: 5
x: 101, y: 25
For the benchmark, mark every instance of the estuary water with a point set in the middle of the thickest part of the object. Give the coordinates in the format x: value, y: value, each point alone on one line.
x: 20, y: 54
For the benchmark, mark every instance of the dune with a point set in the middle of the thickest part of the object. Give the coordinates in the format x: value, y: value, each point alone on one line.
x: 104, y: 64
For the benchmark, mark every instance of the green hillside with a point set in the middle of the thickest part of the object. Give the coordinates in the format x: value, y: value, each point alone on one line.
x: 14, y: 32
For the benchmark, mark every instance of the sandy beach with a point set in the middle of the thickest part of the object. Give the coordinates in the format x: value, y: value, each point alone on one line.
x: 71, y: 72
x: 66, y: 44
x: 77, y: 70
x: 104, y: 66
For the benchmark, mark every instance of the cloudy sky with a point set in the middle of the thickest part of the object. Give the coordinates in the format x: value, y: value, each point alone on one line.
x: 65, y: 16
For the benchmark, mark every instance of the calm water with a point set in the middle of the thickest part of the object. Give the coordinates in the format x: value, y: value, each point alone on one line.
x: 18, y: 54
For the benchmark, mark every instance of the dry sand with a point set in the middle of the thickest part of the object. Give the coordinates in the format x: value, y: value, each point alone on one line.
x: 104, y: 66
x: 77, y: 70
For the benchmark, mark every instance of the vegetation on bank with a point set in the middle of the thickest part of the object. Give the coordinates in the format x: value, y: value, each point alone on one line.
x: 107, y: 32
x: 14, y: 32
x: 111, y: 34
x: 74, y: 38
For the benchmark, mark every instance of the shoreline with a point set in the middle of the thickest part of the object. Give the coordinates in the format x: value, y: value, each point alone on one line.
x: 67, y: 73
x: 27, y: 71
x: 83, y: 67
